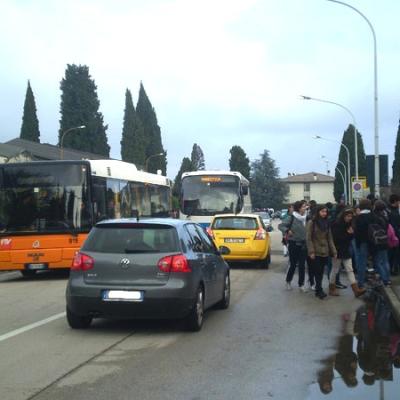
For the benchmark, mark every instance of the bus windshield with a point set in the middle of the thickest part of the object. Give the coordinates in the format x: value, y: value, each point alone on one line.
x: 44, y: 198
x: 209, y: 195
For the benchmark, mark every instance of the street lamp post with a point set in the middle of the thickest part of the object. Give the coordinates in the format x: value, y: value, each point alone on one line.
x: 348, y: 164
x: 345, y: 183
x: 376, y: 137
x: 146, y: 163
x: 62, y: 139
x: 343, y: 179
x: 354, y: 128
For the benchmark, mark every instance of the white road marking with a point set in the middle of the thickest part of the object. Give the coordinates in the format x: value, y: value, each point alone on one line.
x: 31, y: 326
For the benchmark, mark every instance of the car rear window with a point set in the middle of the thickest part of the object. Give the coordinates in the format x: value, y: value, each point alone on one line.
x: 232, y: 223
x: 113, y: 238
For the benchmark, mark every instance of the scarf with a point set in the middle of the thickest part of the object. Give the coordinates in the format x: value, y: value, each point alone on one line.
x: 301, y: 218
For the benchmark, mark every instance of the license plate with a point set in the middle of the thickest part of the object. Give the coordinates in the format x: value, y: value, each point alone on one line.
x: 122, y: 295
x: 36, y: 266
x: 234, y: 240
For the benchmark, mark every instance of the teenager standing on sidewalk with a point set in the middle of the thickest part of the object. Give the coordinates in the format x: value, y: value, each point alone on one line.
x: 380, y: 251
x: 320, y: 246
x: 295, y: 230
x: 342, y: 232
x: 361, y: 224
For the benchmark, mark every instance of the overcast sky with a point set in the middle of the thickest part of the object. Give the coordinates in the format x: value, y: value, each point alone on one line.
x: 218, y: 73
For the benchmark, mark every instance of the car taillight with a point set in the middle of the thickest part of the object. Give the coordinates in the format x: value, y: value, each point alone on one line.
x: 210, y: 232
x: 82, y: 262
x: 175, y: 263
x: 260, y: 235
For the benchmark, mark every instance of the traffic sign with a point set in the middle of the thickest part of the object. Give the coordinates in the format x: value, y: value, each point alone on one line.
x: 357, y: 189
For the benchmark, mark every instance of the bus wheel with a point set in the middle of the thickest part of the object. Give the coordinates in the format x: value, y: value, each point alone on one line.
x: 77, y: 321
x: 28, y: 273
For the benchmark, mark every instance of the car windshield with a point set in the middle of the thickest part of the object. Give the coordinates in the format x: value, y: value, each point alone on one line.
x: 132, y: 238
x: 235, y: 223
x: 210, y: 195
x: 262, y: 214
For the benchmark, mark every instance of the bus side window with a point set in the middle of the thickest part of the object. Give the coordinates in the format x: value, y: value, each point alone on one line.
x: 99, y: 198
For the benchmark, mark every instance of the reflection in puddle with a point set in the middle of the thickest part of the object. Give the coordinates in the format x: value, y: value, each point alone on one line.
x: 367, y: 362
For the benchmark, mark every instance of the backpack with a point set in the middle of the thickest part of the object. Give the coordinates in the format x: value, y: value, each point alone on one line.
x: 377, y: 235
x: 393, y: 240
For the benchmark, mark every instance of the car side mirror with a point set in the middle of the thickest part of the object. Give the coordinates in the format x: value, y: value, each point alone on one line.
x: 245, y: 190
x: 223, y: 250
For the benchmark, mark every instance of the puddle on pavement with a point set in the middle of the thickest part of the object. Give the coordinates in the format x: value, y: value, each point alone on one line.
x: 366, y: 364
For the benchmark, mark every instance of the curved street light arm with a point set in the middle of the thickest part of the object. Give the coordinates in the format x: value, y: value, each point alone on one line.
x: 376, y: 137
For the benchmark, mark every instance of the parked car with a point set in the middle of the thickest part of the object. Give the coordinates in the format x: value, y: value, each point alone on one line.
x: 266, y: 218
x: 155, y: 268
x: 245, y: 235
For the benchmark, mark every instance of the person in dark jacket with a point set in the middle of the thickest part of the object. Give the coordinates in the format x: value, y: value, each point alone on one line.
x: 342, y: 232
x: 380, y: 252
x: 361, y: 223
x: 394, y: 220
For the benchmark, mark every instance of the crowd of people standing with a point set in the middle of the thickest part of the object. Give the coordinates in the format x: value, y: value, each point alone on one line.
x: 327, y: 238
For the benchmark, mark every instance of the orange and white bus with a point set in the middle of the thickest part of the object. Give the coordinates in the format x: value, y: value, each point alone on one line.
x: 47, y: 208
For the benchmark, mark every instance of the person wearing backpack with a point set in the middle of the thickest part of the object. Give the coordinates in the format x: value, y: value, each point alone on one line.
x: 363, y: 248
x: 379, y: 239
x: 294, y: 229
x: 320, y: 246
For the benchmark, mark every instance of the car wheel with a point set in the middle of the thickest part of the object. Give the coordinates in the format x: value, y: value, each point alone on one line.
x: 77, y: 321
x: 28, y: 273
x: 226, y: 297
x: 267, y: 261
x: 194, y: 321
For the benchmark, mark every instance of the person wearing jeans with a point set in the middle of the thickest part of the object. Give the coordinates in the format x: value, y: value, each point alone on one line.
x: 361, y: 223
x: 320, y: 246
x: 294, y: 228
x: 380, y: 252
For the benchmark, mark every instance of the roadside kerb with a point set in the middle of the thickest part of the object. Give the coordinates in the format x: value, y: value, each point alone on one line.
x: 393, y: 296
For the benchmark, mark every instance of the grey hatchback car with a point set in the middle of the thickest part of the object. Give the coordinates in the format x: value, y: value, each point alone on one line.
x: 154, y: 268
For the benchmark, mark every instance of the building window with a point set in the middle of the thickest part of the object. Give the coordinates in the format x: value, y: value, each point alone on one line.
x: 306, y: 187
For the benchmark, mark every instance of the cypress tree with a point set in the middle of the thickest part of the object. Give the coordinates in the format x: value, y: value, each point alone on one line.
x: 80, y: 106
x: 239, y: 161
x: 348, y: 140
x: 197, y: 158
x: 132, y: 143
x: 30, y: 123
x: 396, y: 162
x: 152, y: 134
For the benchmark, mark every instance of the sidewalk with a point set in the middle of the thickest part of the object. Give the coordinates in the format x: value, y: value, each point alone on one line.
x: 393, y: 296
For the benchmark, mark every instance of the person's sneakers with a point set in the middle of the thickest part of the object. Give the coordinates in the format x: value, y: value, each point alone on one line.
x: 340, y: 286
x: 312, y: 287
x: 388, y: 284
x: 288, y: 286
x: 303, y: 288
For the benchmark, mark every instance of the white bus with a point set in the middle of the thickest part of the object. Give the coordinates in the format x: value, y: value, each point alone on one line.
x: 47, y: 208
x: 206, y: 193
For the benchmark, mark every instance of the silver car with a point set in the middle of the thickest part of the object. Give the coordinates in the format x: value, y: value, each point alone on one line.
x: 155, y: 268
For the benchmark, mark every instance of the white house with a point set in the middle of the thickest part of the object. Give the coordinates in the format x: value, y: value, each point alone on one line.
x: 310, y: 186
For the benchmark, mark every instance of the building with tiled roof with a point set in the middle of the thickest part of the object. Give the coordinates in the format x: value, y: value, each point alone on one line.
x: 309, y: 186
x: 17, y: 150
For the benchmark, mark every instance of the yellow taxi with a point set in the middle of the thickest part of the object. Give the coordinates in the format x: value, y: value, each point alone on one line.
x: 245, y: 235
